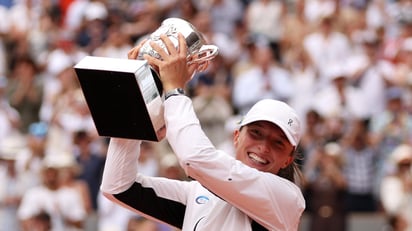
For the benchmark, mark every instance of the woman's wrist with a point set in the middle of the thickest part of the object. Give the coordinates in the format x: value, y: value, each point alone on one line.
x: 173, y: 92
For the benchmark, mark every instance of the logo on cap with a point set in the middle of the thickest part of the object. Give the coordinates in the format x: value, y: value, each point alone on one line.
x: 290, y: 122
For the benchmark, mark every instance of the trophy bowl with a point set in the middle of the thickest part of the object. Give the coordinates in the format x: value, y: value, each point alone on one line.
x: 198, y: 51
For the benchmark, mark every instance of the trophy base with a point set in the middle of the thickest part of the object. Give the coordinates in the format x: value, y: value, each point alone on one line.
x: 124, y: 97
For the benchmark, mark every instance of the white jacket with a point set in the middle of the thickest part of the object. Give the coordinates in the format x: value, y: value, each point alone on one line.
x: 224, y: 195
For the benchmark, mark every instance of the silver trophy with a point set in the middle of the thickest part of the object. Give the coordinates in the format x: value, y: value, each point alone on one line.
x: 198, y: 51
x: 125, y: 96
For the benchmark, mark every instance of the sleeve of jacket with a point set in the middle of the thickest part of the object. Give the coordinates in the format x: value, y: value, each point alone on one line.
x: 158, y: 198
x: 121, y: 165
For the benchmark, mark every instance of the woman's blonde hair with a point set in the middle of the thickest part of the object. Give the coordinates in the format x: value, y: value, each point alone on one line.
x: 293, y: 172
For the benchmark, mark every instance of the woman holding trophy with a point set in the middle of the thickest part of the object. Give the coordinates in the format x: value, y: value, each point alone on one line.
x: 251, y: 189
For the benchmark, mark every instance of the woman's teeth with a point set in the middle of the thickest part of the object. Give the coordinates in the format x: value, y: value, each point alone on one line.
x: 256, y: 158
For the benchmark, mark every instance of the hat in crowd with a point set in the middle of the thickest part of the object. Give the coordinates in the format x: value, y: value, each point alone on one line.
x: 10, y: 146
x: 394, y: 93
x: 38, y: 129
x: 280, y: 114
x: 59, y: 160
x: 401, y: 153
x: 95, y: 11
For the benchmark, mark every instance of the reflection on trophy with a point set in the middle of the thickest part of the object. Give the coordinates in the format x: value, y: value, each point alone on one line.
x: 125, y: 96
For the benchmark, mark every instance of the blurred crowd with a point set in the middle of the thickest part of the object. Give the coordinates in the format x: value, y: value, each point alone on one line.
x: 344, y: 65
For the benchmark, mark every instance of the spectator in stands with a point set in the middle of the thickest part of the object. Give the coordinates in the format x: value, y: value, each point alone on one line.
x: 266, y: 18
x: 396, y: 188
x: 69, y: 180
x: 65, y: 207
x: 266, y: 79
x: 116, y: 45
x: 360, y: 168
x: 295, y: 28
x: 12, y: 186
x: 25, y: 91
x: 212, y: 101
x: 93, y: 31
x: 71, y: 114
x: 30, y: 159
x: 369, y: 71
x: 390, y: 128
x: 327, y: 45
x: 304, y: 76
x: 314, y: 135
x: 224, y: 14
x: 326, y: 188
x: 338, y: 97
x: 90, y: 160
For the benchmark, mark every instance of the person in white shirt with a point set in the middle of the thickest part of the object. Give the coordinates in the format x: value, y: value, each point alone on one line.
x: 396, y: 188
x: 327, y: 46
x: 252, y: 191
x: 267, y: 18
x: 338, y: 98
x: 266, y: 79
x: 64, y: 205
x: 12, y: 186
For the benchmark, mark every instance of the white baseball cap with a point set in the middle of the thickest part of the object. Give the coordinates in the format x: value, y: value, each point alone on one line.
x: 401, y: 153
x: 11, y: 145
x: 280, y: 114
x: 61, y: 159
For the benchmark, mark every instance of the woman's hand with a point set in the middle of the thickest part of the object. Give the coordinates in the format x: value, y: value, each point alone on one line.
x: 173, y: 67
x: 174, y: 70
x: 134, y: 52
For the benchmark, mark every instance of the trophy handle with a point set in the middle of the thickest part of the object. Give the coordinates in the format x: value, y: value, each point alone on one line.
x: 205, y: 53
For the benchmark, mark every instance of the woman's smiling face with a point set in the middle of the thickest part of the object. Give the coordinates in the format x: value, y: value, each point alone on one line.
x: 264, y: 146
